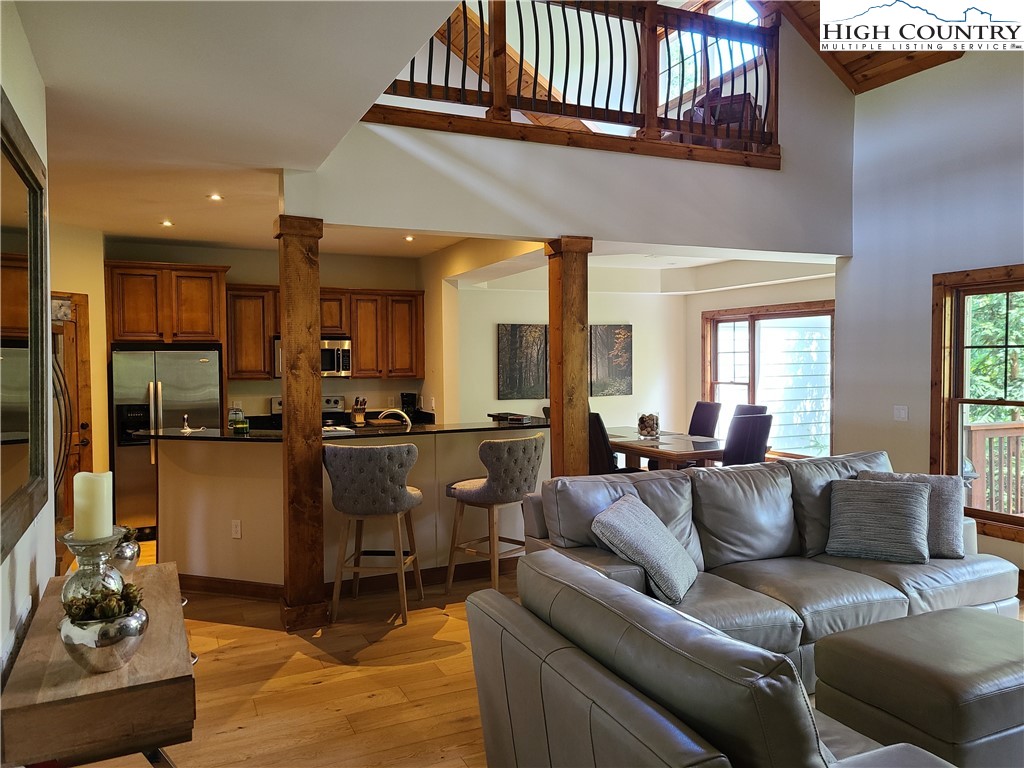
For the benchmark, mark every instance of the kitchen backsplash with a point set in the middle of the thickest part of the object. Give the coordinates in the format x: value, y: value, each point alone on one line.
x: 379, y: 393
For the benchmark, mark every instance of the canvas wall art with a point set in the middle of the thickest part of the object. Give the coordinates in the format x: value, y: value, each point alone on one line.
x: 522, y: 362
x: 611, y: 360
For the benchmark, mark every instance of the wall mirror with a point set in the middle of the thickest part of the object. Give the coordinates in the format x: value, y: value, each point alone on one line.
x: 24, y: 329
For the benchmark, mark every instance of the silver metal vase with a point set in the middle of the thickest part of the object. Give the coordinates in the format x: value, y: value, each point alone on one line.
x: 125, y: 557
x: 106, y: 644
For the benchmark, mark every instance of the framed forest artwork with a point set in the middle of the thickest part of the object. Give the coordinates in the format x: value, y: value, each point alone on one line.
x: 522, y: 362
x: 611, y: 360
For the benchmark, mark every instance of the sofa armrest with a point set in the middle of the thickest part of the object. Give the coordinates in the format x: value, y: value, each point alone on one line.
x: 894, y: 756
x: 533, y: 516
x: 970, y: 536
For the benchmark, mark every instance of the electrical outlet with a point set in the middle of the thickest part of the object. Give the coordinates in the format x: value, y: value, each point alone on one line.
x: 236, y: 529
x: 433, y: 407
x: 900, y: 413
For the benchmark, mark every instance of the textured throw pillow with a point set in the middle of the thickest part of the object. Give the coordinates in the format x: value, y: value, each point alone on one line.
x: 633, y: 532
x: 879, y: 521
x: 945, y: 509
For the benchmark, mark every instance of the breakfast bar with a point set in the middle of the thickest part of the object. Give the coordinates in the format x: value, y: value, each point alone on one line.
x: 220, y: 499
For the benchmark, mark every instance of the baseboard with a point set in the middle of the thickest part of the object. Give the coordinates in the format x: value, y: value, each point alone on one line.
x: 209, y: 585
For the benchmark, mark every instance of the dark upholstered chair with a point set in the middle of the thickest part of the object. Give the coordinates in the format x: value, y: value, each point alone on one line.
x: 512, y: 469
x: 747, y: 441
x: 368, y: 483
x: 602, y: 459
x: 745, y: 409
x: 704, y: 418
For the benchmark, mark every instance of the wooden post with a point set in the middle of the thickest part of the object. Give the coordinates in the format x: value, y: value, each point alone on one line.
x: 303, y: 605
x: 496, y: 55
x: 649, y: 73
x: 567, y: 354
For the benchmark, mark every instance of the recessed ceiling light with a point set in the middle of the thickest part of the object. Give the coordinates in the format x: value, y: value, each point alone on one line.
x: 167, y: 223
x: 215, y: 197
x: 409, y: 238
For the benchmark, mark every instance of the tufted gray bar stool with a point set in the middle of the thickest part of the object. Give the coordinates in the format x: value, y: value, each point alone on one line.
x: 368, y: 483
x: 512, y: 469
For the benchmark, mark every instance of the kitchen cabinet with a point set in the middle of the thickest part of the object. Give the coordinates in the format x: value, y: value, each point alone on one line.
x: 367, y: 318
x: 165, y: 302
x: 404, y: 336
x: 251, y: 312
x: 334, y: 312
x: 14, y: 296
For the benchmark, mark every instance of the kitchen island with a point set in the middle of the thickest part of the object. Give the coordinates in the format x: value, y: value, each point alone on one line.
x: 214, y: 485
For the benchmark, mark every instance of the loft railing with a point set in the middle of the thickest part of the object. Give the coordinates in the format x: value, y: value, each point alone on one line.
x: 997, y: 451
x: 640, y: 72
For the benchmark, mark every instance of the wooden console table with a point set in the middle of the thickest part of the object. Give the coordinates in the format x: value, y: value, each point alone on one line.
x: 56, y: 712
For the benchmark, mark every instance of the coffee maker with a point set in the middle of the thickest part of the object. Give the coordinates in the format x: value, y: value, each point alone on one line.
x: 409, y: 402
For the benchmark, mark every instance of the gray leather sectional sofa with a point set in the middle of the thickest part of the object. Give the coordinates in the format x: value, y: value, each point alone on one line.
x: 757, y: 534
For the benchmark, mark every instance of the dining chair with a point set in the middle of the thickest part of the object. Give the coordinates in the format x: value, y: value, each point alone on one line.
x: 368, y: 483
x: 747, y: 441
x: 704, y: 418
x: 602, y: 458
x: 749, y: 409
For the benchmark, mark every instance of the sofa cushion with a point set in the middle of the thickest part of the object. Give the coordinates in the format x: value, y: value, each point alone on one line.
x: 945, y: 508
x: 744, y: 513
x: 635, y: 533
x: 572, y: 503
x: 745, y: 700
x: 882, y: 521
x: 941, y: 583
x: 742, y: 613
x: 826, y: 598
x: 812, y: 493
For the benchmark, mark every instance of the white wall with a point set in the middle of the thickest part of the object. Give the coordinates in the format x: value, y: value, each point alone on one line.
x: 426, y: 180
x: 938, y: 187
x: 25, y: 571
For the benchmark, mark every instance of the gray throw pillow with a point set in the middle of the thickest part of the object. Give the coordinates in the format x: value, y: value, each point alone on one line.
x: 879, y: 521
x: 633, y: 532
x: 945, y: 509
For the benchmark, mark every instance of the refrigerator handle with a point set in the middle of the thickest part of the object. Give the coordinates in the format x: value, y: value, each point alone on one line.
x: 152, y: 422
x: 159, y: 405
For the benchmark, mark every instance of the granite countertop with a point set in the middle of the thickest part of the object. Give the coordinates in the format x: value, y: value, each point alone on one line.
x: 275, y: 435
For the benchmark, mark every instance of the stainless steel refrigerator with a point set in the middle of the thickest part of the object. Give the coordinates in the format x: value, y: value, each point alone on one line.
x: 154, y: 390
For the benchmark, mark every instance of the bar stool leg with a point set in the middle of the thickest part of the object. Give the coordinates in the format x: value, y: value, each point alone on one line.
x: 339, y: 570
x: 400, y: 565
x: 460, y: 509
x: 412, y: 551
x: 492, y: 531
x: 358, y: 558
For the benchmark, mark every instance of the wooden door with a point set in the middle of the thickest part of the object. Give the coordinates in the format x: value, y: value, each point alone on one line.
x: 135, y: 304
x: 72, y: 409
x: 250, y: 333
x: 333, y: 313
x: 405, y: 337
x: 196, y: 305
x: 367, y: 336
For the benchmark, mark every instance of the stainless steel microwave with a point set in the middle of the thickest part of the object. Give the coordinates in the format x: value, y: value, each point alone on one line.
x: 335, y: 357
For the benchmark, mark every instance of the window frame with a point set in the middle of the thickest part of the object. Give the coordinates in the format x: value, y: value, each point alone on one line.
x: 709, y: 347
x: 949, y: 290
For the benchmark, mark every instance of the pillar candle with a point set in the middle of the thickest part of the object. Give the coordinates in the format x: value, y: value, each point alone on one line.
x: 94, y: 505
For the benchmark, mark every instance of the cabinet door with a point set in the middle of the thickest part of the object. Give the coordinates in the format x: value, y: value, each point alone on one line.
x: 405, y: 337
x: 196, y: 305
x: 14, y: 297
x: 367, y: 339
x: 250, y: 334
x: 333, y: 313
x: 136, y: 303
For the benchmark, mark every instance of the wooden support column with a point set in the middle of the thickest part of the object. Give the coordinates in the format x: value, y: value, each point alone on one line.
x: 649, y: 63
x: 496, y: 54
x: 304, y: 605
x: 567, y: 354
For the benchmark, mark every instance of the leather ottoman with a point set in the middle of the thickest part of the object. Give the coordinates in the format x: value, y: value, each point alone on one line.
x: 951, y: 682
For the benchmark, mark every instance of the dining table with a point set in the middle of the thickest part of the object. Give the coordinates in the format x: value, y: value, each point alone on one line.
x: 671, y: 449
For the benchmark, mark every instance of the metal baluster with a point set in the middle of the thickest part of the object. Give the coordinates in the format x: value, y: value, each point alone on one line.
x: 447, y: 54
x: 522, y: 54
x: 583, y: 49
x: 668, y: 73
x: 430, y: 65
x: 636, y: 93
x: 483, y: 55
x: 611, y: 58
x: 536, y: 54
x: 698, y: 76
x: 768, y: 93
x: 568, y: 57
x: 753, y: 116
x: 551, y: 55
x: 597, y: 60
x: 412, y: 79
x: 465, y: 51
x: 625, y: 60
x: 682, y: 76
x: 757, y: 92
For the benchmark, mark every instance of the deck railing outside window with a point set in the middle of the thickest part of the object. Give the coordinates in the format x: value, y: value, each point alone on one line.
x: 997, y: 453
x: 638, y: 70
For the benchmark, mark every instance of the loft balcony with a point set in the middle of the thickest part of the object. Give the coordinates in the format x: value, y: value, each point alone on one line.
x: 634, y: 77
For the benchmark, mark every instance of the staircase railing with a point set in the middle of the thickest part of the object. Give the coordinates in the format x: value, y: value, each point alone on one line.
x: 637, y: 71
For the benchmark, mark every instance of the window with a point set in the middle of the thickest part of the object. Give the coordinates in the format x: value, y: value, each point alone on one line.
x: 779, y: 356
x: 978, y: 387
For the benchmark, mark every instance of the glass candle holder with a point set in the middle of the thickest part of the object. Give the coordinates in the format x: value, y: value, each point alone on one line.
x: 648, y: 425
x: 94, y: 573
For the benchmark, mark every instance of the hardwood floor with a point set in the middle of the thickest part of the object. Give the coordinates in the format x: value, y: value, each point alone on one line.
x: 363, y: 692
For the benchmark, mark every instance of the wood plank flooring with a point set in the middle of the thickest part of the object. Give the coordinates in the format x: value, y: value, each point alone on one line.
x: 364, y: 692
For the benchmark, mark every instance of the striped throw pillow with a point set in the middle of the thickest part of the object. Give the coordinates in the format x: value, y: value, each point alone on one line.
x: 879, y: 521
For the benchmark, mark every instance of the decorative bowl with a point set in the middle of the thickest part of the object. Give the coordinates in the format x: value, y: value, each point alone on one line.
x: 104, y: 645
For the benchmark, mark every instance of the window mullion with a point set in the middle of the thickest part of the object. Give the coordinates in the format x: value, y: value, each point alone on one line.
x: 751, y: 360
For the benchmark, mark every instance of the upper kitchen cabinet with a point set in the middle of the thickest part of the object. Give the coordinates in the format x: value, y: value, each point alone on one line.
x: 14, y: 296
x: 251, y: 313
x: 368, y: 333
x: 334, y: 312
x: 404, y: 336
x: 165, y: 302
x: 387, y: 334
